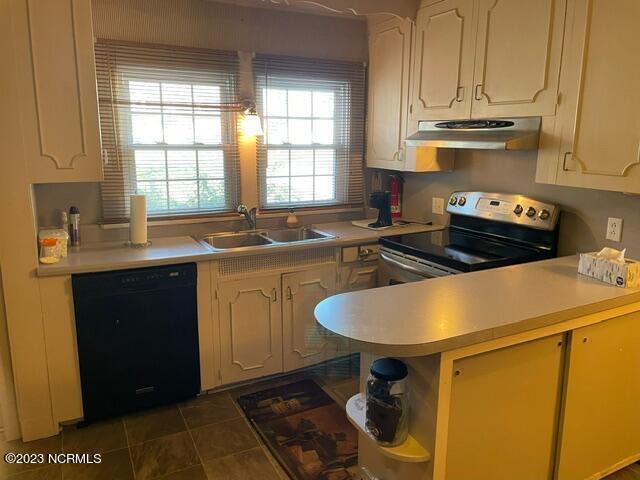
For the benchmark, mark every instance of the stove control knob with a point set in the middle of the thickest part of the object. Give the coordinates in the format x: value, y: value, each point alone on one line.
x: 462, y: 201
x: 544, y: 214
x: 531, y: 212
x: 453, y: 200
x: 518, y: 209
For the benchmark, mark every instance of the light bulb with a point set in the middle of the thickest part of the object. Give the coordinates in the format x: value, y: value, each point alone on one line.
x: 251, y: 126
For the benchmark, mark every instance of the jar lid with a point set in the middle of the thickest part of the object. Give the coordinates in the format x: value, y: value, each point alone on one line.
x: 389, y: 369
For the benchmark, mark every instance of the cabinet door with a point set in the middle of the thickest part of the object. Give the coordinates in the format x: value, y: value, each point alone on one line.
x: 305, y: 341
x: 358, y: 277
x: 598, y: 123
x: 250, y: 328
x: 518, y: 55
x: 503, y: 413
x: 601, y: 416
x: 443, y: 61
x: 60, y: 112
x: 389, y: 72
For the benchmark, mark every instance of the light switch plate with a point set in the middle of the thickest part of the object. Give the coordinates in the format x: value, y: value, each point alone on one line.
x: 437, y: 205
x: 614, y: 229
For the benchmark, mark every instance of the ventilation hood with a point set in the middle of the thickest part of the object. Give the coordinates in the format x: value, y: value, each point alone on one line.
x: 488, y: 134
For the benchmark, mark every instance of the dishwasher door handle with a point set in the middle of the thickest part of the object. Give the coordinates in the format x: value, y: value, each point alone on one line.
x: 403, y: 266
x: 426, y: 271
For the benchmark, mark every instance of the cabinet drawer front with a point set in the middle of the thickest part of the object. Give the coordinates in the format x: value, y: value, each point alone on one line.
x: 518, y: 57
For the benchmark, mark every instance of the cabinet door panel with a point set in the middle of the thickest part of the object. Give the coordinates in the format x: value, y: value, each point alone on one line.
x: 443, y: 62
x: 502, y: 401
x: 250, y: 328
x: 601, y: 415
x: 389, y: 65
x: 518, y: 57
x: 305, y: 342
x: 59, y: 90
x: 599, y: 123
x: 358, y: 277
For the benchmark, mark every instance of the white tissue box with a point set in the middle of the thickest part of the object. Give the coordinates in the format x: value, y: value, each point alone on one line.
x: 620, y: 273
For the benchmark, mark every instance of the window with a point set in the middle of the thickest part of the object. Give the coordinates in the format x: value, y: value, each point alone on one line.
x: 165, y: 129
x: 313, y: 114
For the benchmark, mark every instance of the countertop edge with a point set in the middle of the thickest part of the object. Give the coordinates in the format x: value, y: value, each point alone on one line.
x: 363, y: 235
x: 493, y: 333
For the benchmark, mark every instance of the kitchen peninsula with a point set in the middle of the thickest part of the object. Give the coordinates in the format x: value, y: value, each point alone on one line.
x: 515, y: 372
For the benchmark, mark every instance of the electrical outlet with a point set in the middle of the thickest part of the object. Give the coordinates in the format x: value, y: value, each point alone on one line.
x: 437, y: 205
x: 614, y: 229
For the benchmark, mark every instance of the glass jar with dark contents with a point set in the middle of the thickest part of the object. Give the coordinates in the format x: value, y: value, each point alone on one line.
x: 387, y: 402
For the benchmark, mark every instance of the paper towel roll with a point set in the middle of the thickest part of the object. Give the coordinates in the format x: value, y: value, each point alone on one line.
x: 138, y: 222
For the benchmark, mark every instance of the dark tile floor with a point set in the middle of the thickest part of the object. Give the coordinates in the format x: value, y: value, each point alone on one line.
x: 206, y: 438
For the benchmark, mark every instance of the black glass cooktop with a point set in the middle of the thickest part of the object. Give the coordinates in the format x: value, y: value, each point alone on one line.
x: 460, y: 250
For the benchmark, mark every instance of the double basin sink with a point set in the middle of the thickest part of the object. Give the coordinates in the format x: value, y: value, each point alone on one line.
x: 257, y: 238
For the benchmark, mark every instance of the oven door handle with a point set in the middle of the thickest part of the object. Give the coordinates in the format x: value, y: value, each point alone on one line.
x: 403, y: 266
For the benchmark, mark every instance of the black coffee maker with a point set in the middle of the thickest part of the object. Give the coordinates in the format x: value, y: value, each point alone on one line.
x: 381, y: 201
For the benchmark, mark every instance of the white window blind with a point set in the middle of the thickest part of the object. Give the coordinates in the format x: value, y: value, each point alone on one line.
x: 313, y: 115
x: 166, y: 128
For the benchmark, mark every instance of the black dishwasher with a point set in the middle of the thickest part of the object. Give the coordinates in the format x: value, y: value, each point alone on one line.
x: 137, y: 333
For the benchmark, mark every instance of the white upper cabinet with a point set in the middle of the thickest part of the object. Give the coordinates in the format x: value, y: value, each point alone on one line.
x: 443, y: 61
x: 517, y: 62
x: 595, y: 140
x: 60, y: 114
x: 487, y: 58
x: 389, y: 72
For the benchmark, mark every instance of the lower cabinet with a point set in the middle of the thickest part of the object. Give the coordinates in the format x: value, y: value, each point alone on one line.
x: 599, y: 427
x: 267, y: 324
x: 503, y: 412
x: 361, y: 276
x: 250, y: 328
x: 304, y: 341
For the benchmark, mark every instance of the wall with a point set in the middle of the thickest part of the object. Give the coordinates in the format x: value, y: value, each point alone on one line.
x: 585, y: 211
x: 206, y: 24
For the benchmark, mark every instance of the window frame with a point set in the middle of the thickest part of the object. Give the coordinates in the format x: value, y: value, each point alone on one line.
x: 341, y: 121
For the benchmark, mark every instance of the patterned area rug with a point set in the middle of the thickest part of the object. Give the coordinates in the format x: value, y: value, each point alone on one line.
x: 306, y: 430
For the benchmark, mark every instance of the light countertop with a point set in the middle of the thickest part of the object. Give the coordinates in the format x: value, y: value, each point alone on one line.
x: 439, y: 314
x: 106, y: 256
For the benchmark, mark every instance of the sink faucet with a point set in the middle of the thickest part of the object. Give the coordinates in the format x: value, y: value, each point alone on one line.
x: 249, y: 215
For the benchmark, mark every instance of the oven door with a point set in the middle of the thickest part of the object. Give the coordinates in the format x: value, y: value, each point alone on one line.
x: 396, y: 268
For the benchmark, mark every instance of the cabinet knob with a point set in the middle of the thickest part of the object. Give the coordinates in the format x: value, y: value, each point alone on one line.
x: 460, y: 94
x: 274, y: 295
x: 289, y: 294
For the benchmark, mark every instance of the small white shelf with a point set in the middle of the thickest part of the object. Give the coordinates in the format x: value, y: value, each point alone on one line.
x: 410, y: 451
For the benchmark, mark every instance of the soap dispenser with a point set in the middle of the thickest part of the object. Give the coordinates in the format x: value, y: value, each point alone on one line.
x: 292, y: 220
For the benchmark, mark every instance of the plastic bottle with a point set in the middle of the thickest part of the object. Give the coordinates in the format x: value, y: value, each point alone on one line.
x: 74, y: 226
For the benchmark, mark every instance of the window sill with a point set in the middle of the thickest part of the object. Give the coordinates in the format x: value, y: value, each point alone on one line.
x: 231, y: 217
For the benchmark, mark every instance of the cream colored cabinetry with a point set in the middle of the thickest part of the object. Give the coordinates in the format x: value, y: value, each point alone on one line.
x: 443, y: 61
x: 58, y: 90
x: 595, y: 140
x: 358, y: 277
x: 502, y: 412
x: 599, y: 427
x: 517, y: 61
x: 304, y: 341
x: 487, y: 58
x: 389, y: 72
x: 250, y: 328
